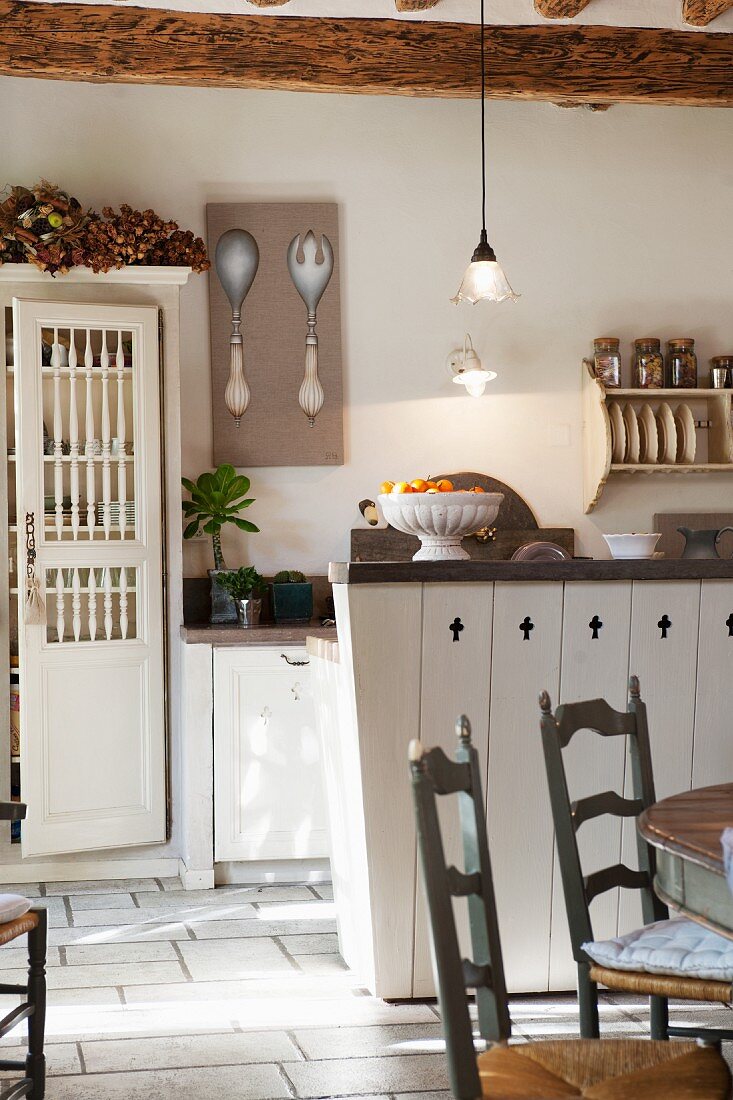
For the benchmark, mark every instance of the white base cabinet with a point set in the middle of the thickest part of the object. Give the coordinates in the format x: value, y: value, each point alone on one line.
x: 268, y: 792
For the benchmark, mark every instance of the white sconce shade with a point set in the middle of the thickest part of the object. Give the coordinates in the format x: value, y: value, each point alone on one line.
x: 466, y: 368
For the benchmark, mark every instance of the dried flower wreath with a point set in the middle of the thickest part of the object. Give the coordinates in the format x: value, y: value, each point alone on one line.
x: 46, y: 226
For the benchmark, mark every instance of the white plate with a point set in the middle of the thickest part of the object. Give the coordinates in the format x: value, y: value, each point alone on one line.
x: 648, y: 425
x: 618, y: 433
x: 667, y: 435
x: 686, y: 438
x: 632, y: 435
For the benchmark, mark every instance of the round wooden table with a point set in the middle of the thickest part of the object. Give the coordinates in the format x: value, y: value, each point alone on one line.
x: 685, y: 829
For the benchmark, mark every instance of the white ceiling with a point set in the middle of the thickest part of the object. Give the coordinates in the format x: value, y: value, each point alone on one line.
x: 618, y: 13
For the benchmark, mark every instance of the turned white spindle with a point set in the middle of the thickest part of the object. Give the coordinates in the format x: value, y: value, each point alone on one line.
x: 89, y: 432
x: 60, y: 623
x: 92, y: 604
x: 73, y: 438
x: 58, y: 466
x: 108, y: 603
x: 121, y: 464
x: 76, y: 604
x: 123, y: 602
x: 106, y: 467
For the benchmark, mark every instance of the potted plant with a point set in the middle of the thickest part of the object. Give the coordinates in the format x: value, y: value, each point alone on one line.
x: 292, y: 597
x: 245, y: 586
x: 217, y: 499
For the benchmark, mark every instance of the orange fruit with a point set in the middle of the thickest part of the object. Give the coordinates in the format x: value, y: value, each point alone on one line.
x: 402, y: 487
x: 433, y: 490
x: 419, y: 485
x: 386, y: 487
x: 431, y: 485
x: 445, y: 486
x: 477, y: 489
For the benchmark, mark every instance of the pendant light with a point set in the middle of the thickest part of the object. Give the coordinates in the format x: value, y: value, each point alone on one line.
x: 484, y: 279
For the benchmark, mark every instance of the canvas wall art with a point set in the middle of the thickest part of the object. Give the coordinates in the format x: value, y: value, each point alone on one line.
x: 291, y: 393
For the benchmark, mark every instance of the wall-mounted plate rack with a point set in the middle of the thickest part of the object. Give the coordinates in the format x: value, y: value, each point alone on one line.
x: 712, y: 408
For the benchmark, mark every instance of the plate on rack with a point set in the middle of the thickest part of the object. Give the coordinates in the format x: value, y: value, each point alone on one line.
x: 618, y: 432
x: 648, y: 429
x: 667, y: 435
x: 540, y: 551
x: 633, y: 443
x: 686, y: 438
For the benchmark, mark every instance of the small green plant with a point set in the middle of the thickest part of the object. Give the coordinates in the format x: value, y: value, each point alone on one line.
x: 243, y: 583
x: 289, y: 576
x: 216, y: 500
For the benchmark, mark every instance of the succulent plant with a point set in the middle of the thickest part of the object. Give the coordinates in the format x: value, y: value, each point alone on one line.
x: 289, y: 576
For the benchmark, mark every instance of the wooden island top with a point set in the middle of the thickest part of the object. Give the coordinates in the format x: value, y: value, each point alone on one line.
x: 578, y: 569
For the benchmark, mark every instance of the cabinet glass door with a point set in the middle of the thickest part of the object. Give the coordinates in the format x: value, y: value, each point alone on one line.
x: 89, y: 504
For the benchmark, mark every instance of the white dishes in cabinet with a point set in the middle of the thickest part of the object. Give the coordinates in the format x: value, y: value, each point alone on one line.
x: 618, y: 432
x: 686, y: 438
x: 650, y: 436
x: 667, y: 435
x: 632, y: 435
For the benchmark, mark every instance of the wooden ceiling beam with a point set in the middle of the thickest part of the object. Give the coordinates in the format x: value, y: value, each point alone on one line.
x: 562, y: 63
x: 560, y: 9
x: 698, y: 13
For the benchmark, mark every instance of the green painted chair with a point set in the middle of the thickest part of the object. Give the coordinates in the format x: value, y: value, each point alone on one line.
x: 626, y: 1069
x: 620, y: 971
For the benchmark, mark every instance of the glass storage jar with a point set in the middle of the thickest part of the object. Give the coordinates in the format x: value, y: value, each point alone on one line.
x: 648, y: 363
x: 682, y: 363
x: 721, y: 366
x: 607, y: 361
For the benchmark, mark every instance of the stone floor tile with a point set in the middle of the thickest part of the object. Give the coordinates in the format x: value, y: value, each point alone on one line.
x: 94, y: 918
x: 121, y: 974
x: 15, y: 958
x: 357, y: 1042
x: 87, y: 997
x: 118, y: 933
x: 114, y: 901
x: 325, y: 943
x: 198, y: 900
x: 109, y: 886
x: 270, y: 893
x: 171, y: 883
x: 354, y: 1076
x: 61, y: 1058
x: 106, y: 953
x: 446, y: 1095
x: 25, y: 889
x: 178, y: 1051
x: 207, y: 961
x: 56, y: 909
x: 89, y: 1024
x: 263, y: 1082
x: 321, y: 964
x: 324, y: 890
x: 236, y: 929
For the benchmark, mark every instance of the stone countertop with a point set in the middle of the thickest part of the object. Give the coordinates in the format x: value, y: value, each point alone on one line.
x: 230, y: 634
x: 420, y: 572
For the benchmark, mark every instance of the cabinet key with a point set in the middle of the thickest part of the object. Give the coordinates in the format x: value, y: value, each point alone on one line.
x: 290, y: 661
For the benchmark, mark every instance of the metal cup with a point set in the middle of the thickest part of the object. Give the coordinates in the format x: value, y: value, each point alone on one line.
x: 718, y: 377
x: 248, y: 612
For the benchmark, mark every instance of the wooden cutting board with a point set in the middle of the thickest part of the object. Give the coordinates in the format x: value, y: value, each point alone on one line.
x: 672, y: 543
x: 515, y: 525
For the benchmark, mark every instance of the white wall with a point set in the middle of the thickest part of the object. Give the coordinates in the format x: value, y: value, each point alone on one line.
x: 617, y: 222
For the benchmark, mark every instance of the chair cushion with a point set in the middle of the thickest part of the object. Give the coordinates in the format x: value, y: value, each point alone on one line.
x: 679, y: 947
x: 12, y: 906
x: 604, y: 1069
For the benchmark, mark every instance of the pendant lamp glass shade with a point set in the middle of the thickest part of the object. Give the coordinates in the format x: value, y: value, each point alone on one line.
x: 484, y: 280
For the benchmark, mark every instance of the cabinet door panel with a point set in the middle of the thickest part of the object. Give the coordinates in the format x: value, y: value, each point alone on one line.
x: 663, y: 654
x: 712, y: 757
x: 519, y: 817
x: 268, y: 795
x: 595, y: 647
x: 456, y: 661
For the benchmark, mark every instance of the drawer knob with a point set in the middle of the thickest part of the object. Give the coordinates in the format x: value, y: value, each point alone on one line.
x: 290, y: 661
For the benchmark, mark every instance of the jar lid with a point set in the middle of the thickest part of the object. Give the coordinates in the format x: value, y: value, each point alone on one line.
x: 722, y: 360
x: 648, y: 342
x: 613, y: 340
x: 682, y: 342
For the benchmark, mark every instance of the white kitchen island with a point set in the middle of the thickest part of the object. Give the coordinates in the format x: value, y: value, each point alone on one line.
x: 420, y: 643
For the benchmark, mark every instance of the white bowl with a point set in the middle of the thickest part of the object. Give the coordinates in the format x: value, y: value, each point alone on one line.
x: 632, y: 546
x: 440, y: 520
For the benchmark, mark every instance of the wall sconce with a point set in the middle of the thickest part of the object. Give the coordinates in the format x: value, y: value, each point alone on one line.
x: 465, y: 367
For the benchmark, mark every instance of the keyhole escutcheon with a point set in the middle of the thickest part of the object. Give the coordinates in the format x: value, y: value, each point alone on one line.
x: 526, y: 626
x: 456, y: 626
x: 664, y: 624
x: 296, y: 690
x: 595, y: 625
x: 729, y: 624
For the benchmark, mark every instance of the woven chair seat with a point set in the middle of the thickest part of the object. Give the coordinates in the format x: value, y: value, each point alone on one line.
x: 662, y: 985
x: 604, y: 1069
x: 18, y: 927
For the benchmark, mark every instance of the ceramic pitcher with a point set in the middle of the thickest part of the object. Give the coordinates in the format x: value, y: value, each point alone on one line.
x: 701, y: 544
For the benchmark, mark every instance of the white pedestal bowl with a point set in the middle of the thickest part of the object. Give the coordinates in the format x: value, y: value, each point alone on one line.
x: 440, y: 520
